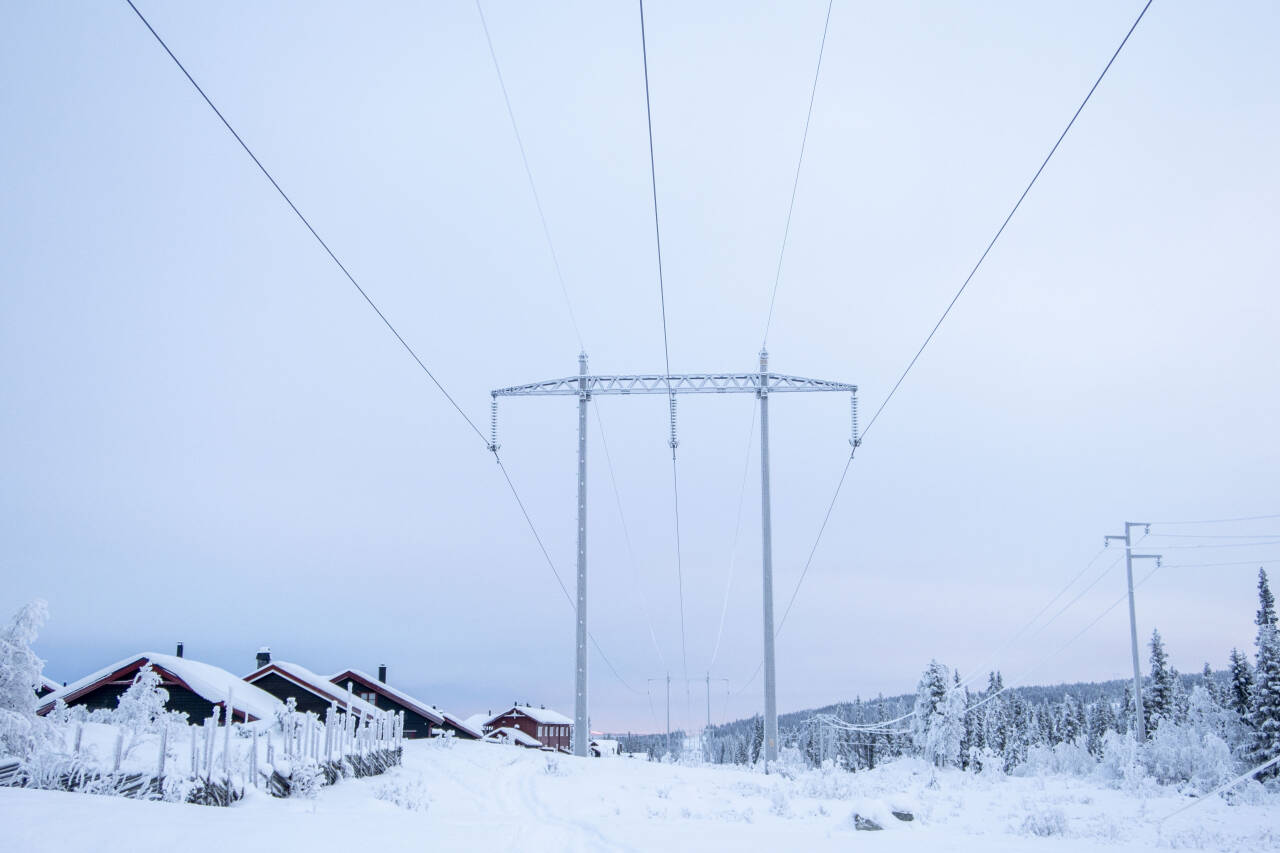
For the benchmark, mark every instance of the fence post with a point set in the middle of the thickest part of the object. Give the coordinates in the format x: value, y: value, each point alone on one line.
x: 195, y: 758
x: 164, y: 746
x: 226, y: 740
x: 115, y: 765
x: 253, y: 760
x: 79, y: 733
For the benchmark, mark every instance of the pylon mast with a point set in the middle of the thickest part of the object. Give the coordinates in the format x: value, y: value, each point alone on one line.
x: 584, y: 386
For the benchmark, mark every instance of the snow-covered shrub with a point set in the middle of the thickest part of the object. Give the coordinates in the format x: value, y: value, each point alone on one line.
x: 406, y: 792
x: 552, y: 766
x: 21, y: 731
x: 141, y: 708
x: 1184, y: 755
x: 779, y: 803
x: 1068, y: 758
x: 305, y: 779
x: 1120, y: 765
x: 1044, y: 821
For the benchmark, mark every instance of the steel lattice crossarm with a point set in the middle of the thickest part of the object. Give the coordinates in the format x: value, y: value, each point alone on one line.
x: 763, y: 384
x: 677, y: 383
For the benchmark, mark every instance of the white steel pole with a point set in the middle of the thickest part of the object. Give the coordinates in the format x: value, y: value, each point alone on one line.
x: 580, y: 725
x: 766, y: 540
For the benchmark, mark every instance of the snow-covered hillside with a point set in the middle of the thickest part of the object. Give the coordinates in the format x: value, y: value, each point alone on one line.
x: 458, y: 795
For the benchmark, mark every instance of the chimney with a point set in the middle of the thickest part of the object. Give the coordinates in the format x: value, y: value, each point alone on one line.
x: 264, y: 656
x: 382, y: 673
x: 178, y: 653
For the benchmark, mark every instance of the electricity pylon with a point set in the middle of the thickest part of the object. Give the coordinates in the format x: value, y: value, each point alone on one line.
x: 762, y: 384
x: 1140, y: 723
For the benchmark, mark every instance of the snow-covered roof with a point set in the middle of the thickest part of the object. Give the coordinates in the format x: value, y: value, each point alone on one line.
x: 462, y: 725
x: 206, y: 680
x: 507, y: 734
x: 478, y: 721
x: 432, y: 714
x: 49, y: 684
x: 542, y: 715
x: 317, y: 684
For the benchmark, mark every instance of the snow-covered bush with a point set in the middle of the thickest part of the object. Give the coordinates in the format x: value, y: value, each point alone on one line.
x: 1184, y: 755
x: 305, y: 779
x: 1068, y: 758
x: 407, y: 792
x: 1119, y: 764
x: 141, y: 708
x: 1044, y: 821
x: 21, y: 731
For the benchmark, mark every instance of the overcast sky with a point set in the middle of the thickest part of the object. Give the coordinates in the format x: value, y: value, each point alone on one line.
x: 208, y: 436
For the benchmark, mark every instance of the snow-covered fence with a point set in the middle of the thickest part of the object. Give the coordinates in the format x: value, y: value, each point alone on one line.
x: 211, y: 763
x: 313, y: 752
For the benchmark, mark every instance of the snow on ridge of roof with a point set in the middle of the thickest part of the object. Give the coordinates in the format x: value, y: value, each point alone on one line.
x: 546, y: 716
x: 322, y: 685
x: 48, y: 682
x: 457, y: 721
x: 433, y: 714
x: 477, y: 721
x: 208, y: 681
x: 514, y: 735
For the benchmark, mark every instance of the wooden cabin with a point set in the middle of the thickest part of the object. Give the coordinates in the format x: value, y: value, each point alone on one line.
x: 311, y: 692
x: 420, y: 719
x: 551, y: 728
x: 194, y: 688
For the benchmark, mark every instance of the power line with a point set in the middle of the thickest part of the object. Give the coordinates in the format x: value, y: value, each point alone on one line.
x: 1219, y: 520
x: 737, y: 529
x: 1216, y: 536
x: 381, y: 316
x: 1004, y: 224
x: 990, y: 659
x: 305, y: 222
x: 804, y: 138
x: 1260, y: 562
x: 626, y: 538
x: 524, y: 158
x: 666, y: 350
x: 822, y: 529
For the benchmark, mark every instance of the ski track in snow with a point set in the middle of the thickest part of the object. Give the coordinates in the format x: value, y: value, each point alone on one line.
x: 490, y: 797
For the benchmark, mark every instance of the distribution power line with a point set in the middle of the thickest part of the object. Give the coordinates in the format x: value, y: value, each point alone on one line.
x: 490, y: 443
x: 795, y: 183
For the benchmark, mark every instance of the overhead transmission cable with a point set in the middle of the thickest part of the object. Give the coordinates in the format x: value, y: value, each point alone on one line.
x: 666, y: 355
x: 963, y: 286
x: 533, y: 187
x: 307, y: 223
x: 737, y: 530
x: 1004, y: 224
x: 795, y: 183
x: 1218, y: 520
x: 626, y: 538
x: 386, y: 322
x: 564, y: 292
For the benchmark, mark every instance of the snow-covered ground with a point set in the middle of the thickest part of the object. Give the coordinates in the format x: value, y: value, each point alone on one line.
x: 460, y: 795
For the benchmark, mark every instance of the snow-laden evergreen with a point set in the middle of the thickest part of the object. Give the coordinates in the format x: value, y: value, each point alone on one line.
x: 21, y: 731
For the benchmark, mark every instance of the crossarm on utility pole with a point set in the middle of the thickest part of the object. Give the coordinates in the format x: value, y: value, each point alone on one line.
x: 681, y: 383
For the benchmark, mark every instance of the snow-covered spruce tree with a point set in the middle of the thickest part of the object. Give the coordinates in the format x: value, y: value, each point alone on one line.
x: 1161, y: 700
x: 1266, y: 616
x: 1070, y: 725
x: 1240, y: 688
x: 931, y: 696
x: 21, y: 731
x: 1210, y: 683
x: 1264, y: 705
x: 757, y: 740
x: 1101, y: 719
x: 1265, y: 711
